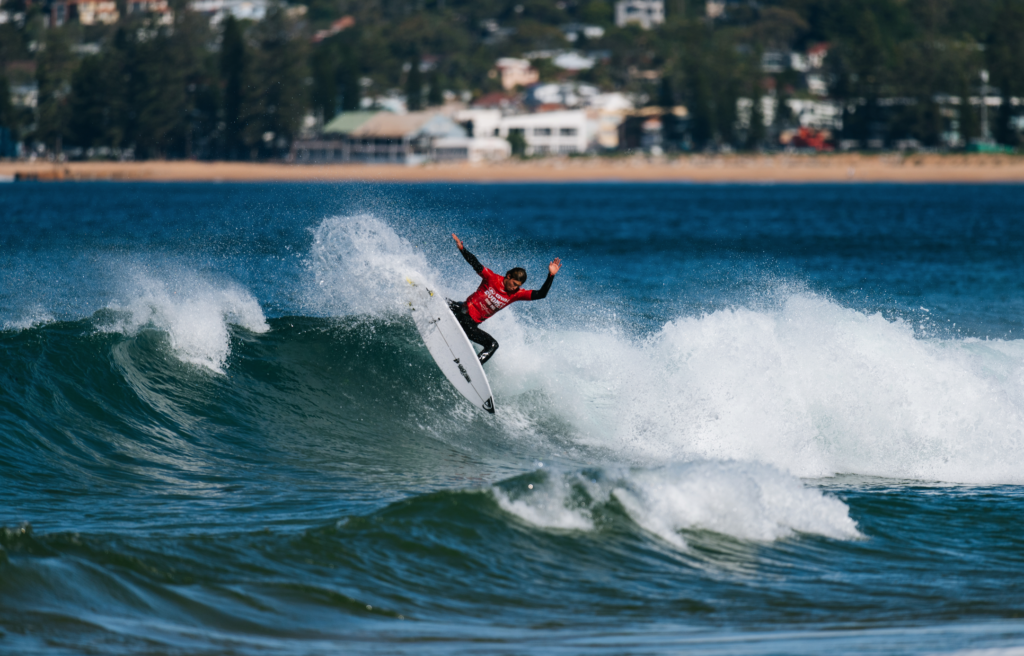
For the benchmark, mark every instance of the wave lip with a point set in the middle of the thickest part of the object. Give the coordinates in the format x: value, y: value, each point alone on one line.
x: 36, y: 317
x: 193, y: 312
x: 745, y: 501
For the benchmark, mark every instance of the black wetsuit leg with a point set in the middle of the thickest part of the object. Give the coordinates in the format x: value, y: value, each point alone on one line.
x: 473, y: 332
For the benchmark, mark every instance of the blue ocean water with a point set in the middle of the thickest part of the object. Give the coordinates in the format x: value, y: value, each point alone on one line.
x: 746, y: 420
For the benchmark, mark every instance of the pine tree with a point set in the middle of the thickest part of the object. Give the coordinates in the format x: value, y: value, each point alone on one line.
x: 435, y: 96
x: 98, y: 102
x: 414, y: 86
x: 702, y: 120
x: 8, y: 132
x: 969, y: 128
x: 55, y: 66
x: 348, y: 80
x: 756, y: 131
x: 6, y: 108
x: 160, y: 68
x: 1004, y: 53
x: 325, y: 80
x: 275, y: 110
x: 233, y: 65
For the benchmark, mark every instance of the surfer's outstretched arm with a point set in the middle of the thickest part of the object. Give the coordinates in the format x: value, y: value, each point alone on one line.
x: 469, y: 257
x: 553, y: 268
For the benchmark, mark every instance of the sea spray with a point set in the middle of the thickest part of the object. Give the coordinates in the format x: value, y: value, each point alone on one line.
x: 360, y: 266
x: 192, y: 311
x: 744, y: 501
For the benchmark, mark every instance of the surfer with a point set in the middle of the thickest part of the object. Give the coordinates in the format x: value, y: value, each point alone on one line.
x: 493, y: 294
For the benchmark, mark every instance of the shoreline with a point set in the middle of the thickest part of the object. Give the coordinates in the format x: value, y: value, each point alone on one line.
x: 781, y: 168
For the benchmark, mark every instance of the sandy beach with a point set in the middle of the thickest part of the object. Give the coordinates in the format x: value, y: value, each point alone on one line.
x: 782, y: 168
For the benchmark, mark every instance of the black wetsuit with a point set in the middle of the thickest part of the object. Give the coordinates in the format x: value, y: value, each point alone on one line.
x: 470, y: 325
x: 473, y: 332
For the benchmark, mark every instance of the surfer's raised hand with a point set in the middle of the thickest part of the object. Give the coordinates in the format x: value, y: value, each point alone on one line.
x: 553, y: 268
x: 458, y: 242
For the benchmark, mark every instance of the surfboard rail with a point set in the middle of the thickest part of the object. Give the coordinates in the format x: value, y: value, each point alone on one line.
x: 449, y: 346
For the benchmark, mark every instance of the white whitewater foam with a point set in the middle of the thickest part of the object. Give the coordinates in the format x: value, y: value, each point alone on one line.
x: 742, y: 500
x: 812, y: 388
x: 547, y: 506
x: 193, y: 312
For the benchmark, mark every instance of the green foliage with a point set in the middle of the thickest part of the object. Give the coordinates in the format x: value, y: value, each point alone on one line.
x: 241, y: 91
x: 597, y: 12
x: 6, y: 108
x: 274, y: 109
x: 435, y: 96
x: 55, y: 66
x: 517, y: 141
x: 1004, y: 56
x: 98, y: 108
x: 414, y: 85
x: 234, y: 71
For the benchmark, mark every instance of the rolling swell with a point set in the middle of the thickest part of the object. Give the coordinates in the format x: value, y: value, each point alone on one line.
x: 461, y: 556
x: 85, y: 404
x: 222, y: 435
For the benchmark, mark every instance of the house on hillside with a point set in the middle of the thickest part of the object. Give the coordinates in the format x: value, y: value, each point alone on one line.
x: 84, y: 12
x: 516, y: 73
x: 506, y: 103
x: 218, y: 10
x: 645, y: 13
x: 377, y: 137
x: 159, y: 8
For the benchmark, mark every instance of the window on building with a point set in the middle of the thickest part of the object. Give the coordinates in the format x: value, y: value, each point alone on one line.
x: 542, y: 132
x: 567, y: 132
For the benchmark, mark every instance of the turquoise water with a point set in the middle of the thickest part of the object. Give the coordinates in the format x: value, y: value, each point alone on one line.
x: 747, y: 419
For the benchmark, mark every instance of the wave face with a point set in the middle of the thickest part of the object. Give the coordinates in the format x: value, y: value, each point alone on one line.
x: 223, y: 434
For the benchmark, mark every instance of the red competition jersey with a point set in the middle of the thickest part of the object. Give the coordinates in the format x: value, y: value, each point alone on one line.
x: 491, y: 296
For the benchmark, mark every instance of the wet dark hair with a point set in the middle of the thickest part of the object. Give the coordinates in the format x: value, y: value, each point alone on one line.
x: 517, y: 273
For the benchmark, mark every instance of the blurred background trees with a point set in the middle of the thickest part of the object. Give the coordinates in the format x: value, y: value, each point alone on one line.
x: 244, y: 89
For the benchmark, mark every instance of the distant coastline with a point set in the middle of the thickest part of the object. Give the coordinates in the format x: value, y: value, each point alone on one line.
x: 777, y: 168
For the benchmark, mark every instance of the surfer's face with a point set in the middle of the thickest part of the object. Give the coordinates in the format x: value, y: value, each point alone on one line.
x: 512, y: 285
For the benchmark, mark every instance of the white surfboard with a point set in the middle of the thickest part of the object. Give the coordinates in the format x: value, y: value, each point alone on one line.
x: 451, y: 349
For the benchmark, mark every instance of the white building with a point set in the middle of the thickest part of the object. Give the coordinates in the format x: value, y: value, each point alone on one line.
x: 606, y: 112
x: 560, y: 133
x: 480, y: 122
x: 573, y: 31
x: 218, y: 10
x: 473, y: 149
x: 573, y: 61
x: 817, y: 114
x: 645, y: 13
